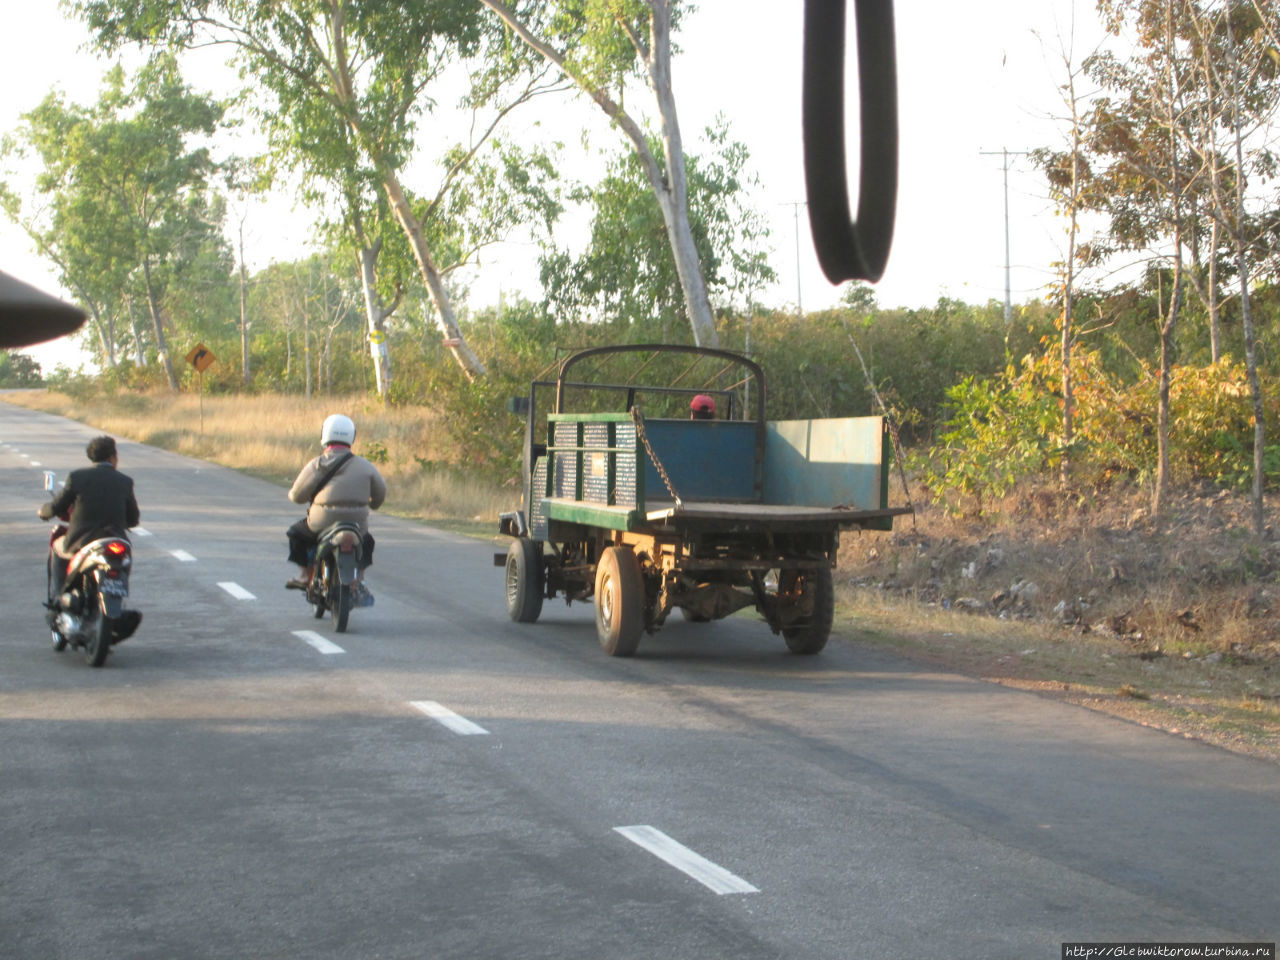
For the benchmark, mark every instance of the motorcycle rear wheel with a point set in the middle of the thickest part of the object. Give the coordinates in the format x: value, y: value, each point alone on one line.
x: 340, y: 601
x: 99, y: 640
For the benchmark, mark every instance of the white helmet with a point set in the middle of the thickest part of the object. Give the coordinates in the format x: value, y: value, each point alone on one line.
x: 338, y: 429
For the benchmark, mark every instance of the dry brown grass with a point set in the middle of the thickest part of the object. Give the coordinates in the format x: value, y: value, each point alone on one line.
x: 271, y: 436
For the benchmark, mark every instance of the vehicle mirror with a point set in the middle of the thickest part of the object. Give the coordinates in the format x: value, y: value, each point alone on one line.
x: 50, y: 481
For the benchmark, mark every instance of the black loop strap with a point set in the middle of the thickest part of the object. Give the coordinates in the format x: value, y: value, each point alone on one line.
x: 849, y: 249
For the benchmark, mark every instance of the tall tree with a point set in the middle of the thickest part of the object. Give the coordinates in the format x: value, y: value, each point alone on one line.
x: 1238, y: 61
x: 600, y: 45
x: 366, y: 64
x: 1140, y: 133
x: 1068, y: 174
x: 128, y: 182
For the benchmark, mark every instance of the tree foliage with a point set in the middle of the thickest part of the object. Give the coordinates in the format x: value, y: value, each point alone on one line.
x: 352, y: 82
x: 19, y: 370
x: 125, y: 184
x: 626, y: 275
x: 602, y: 46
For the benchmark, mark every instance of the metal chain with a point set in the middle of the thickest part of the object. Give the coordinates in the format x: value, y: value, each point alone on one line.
x: 638, y: 419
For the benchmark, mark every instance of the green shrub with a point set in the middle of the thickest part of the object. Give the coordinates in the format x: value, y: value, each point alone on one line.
x: 1002, y: 430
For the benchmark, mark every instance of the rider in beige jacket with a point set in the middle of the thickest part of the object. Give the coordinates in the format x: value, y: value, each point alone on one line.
x: 356, y: 488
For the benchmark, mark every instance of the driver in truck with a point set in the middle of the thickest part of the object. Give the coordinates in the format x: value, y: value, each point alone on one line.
x: 702, y: 407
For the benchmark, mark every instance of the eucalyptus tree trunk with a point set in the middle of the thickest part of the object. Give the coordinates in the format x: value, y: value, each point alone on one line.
x: 1246, y: 310
x: 1068, y: 288
x: 106, y: 334
x: 376, y: 315
x: 669, y: 186
x: 162, y: 345
x: 244, y: 312
x: 344, y: 90
x: 306, y: 348
x: 1169, y: 324
x: 139, y: 354
x: 445, y: 316
x: 673, y: 194
x: 1215, y: 307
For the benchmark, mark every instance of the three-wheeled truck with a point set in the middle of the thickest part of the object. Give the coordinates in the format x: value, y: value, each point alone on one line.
x: 628, y: 500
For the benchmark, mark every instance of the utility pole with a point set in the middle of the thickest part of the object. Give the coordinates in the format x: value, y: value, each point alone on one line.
x: 1008, y: 305
x: 795, y: 206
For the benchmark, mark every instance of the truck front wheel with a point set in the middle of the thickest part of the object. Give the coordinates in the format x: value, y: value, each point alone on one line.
x: 525, y: 580
x: 619, y: 602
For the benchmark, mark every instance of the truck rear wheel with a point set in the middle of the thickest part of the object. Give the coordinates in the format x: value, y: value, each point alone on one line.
x: 810, y: 636
x: 619, y: 602
x: 525, y: 582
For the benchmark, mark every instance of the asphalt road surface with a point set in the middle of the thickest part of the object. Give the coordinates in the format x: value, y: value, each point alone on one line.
x: 239, y: 781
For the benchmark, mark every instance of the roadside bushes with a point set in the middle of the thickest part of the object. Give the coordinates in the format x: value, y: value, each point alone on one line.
x: 1001, y: 431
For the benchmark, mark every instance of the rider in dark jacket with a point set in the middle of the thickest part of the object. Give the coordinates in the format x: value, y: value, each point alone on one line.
x: 96, y: 501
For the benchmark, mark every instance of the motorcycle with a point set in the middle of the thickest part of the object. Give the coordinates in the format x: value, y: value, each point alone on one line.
x: 333, y: 588
x: 88, y: 611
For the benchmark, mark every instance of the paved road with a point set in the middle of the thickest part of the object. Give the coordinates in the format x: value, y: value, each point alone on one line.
x: 444, y: 783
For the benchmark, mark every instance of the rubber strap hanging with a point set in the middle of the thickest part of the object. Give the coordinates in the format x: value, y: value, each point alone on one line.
x: 850, y: 249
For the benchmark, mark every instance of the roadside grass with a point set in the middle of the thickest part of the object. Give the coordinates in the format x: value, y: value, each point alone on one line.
x: 1232, y: 704
x: 272, y: 436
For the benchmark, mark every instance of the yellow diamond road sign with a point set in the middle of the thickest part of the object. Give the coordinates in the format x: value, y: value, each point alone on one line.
x: 200, y: 357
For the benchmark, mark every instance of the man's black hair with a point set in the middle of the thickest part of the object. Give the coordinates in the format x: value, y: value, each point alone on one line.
x: 101, y: 449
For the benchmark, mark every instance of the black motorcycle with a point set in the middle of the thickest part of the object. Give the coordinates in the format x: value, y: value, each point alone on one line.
x: 333, y: 587
x: 88, y: 612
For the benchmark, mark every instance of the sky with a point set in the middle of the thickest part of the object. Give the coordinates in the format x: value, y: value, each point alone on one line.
x: 975, y: 80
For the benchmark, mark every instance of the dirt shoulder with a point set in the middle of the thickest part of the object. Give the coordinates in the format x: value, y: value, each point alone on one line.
x: 1167, y: 622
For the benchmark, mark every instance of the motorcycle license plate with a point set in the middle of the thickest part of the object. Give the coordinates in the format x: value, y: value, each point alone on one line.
x: 114, y: 588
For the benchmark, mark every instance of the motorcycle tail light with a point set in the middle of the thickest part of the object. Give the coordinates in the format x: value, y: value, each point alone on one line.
x: 117, y: 549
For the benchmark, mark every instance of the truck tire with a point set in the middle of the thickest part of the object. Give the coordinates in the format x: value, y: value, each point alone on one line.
x: 525, y: 580
x: 811, y: 636
x: 619, y: 602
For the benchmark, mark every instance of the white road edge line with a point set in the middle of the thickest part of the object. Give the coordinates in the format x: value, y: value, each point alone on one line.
x: 443, y: 715
x: 237, y: 591
x: 319, y: 642
x: 710, y: 875
x: 183, y: 556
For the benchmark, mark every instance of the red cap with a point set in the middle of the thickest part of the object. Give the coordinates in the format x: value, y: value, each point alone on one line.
x: 702, y: 404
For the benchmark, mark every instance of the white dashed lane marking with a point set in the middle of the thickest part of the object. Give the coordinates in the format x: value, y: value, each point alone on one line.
x: 710, y: 875
x: 183, y: 556
x: 140, y: 532
x: 319, y: 642
x: 446, y: 717
x: 237, y: 591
